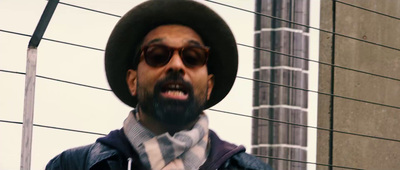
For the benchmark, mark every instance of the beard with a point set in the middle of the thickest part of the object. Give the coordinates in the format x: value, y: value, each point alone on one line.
x: 170, y: 111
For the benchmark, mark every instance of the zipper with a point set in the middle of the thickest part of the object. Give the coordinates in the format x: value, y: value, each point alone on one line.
x: 129, y: 163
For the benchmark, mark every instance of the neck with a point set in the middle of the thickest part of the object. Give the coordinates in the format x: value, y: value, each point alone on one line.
x: 158, y: 127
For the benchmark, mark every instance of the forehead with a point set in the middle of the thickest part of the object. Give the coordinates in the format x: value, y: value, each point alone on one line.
x: 173, y: 34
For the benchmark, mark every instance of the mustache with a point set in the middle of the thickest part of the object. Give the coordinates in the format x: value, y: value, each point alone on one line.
x: 174, y: 75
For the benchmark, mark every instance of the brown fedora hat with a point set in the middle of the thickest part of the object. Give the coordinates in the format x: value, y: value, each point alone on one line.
x: 129, y: 32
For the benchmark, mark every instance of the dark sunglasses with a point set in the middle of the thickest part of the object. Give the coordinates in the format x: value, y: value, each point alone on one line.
x: 157, y: 55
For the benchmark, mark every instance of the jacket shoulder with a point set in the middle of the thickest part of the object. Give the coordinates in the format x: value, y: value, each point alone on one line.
x: 74, y: 158
x: 244, y: 160
x: 81, y: 158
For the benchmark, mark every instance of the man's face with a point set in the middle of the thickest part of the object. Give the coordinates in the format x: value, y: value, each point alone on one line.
x: 172, y: 93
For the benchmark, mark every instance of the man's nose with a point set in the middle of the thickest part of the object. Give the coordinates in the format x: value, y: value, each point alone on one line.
x: 176, y: 63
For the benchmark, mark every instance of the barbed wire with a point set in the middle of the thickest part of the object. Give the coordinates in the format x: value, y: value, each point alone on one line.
x: 306, y: 126
x: 258, y: 48
x: 56, y: 128
x: 233, y: 113
x: 52, y: 40
x: 88, y: 9
x: 58, y: 80
x: 115, y: 15
x: 314, y: 91
x: 102, y: 134
x: 239, y: 44
x: 245, y: 78
x: 365, y: 9
x: 319, y: 164
x: 257, y: 13
x: 319, y: 62
x: 307, y: 26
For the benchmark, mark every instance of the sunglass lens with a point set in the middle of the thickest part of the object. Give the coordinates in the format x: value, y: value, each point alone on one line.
x: 194, y: 56
x: 157, y: 55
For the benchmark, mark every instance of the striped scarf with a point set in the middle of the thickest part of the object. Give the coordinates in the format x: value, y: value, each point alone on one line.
x: 186, y: 149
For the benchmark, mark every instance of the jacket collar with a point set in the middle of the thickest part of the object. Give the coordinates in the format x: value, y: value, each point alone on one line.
x: 220, y: 152
x: 116, y: 142
x: 98, y: 153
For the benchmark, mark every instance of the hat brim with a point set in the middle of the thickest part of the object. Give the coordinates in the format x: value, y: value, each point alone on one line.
x: 134, y: 26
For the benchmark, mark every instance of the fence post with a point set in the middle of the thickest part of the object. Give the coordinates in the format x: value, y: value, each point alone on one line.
x: 30, y: 81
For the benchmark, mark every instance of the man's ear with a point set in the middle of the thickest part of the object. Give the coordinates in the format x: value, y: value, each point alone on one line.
x: 210, y: 85
x: 131, y: 80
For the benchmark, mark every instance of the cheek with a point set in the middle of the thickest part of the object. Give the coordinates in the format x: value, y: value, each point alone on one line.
x: 146, y: 76
x: 145, y: 81
x: 200, y: 86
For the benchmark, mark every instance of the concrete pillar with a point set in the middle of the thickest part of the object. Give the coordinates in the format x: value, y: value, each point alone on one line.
x: 277, y: 102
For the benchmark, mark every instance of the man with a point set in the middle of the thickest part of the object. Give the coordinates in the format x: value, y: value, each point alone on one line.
x: 170, y: 60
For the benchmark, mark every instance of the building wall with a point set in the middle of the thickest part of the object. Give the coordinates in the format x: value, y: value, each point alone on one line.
x: 353, y: 116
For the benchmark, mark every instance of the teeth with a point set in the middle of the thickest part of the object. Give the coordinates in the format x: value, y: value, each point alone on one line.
x: 174, y: 86
x: 175, y: 93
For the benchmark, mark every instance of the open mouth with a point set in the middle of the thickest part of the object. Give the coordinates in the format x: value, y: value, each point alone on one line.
x: 175, y: 90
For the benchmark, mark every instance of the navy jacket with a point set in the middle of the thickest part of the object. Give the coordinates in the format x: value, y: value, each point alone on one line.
x: 114, y: 152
